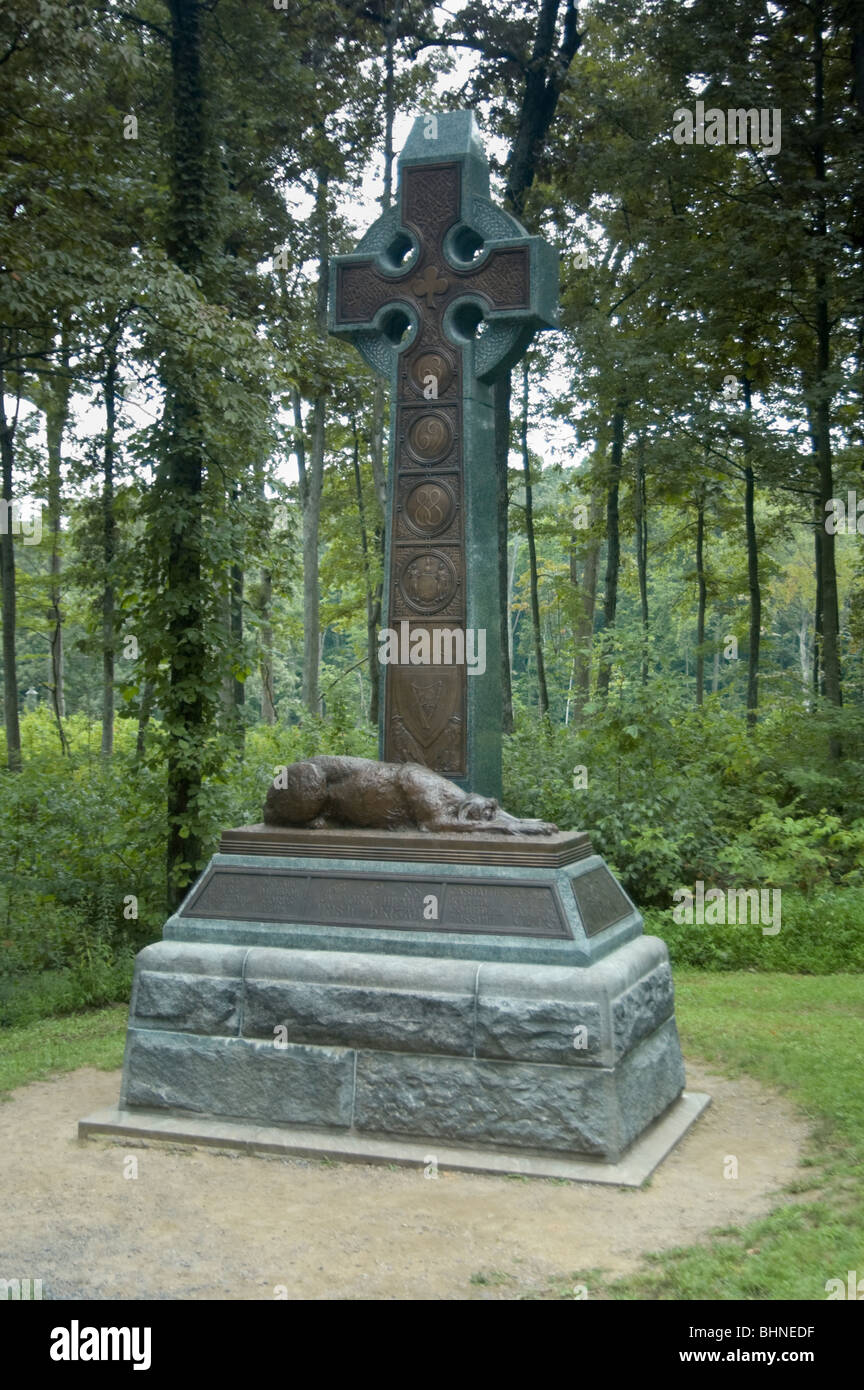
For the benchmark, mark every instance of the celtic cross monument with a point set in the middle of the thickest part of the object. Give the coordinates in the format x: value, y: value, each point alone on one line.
x: 381, y: 994
x: 443, y: 294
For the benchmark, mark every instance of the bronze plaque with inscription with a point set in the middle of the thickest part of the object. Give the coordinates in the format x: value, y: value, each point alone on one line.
x: 600, y: 901
x: 404, y: 902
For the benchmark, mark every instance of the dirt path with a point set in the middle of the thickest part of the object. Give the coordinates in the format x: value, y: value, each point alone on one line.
x: 197, y: 1224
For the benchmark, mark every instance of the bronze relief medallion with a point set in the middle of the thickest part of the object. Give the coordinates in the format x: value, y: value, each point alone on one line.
x: 432, y: 371
x: 429, y: 507
x: 430, y: 437
x: 427, y: 580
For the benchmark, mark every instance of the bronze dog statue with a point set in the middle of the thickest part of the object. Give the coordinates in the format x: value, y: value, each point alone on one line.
x: 325, y: 791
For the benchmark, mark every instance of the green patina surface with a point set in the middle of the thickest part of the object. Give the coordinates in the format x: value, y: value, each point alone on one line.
x: 579, y: 950
x: 447, y: 139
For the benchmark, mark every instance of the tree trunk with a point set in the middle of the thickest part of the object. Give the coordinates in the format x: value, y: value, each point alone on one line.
x: 145, y: 709
x: 312, y: 475
x: 544, y: 80
x: 191, y: 219
x: 511, y: 585
x: 803, y: 656
x: 818, y: 536
x: 7, y: 586
x: 109, y: 543
x: 56, y: 419
x: 822, y: 393
x: 703, y: 593
x: 755, y: 636
x: 641, y: 509
x: 501, y: 410
x: 613, y: 550
x: 265, y: 663
x: 391, y: 32
x: 372, y: 616
x: 583, y: 635
x: 543, y: 694
x: 238, y: 687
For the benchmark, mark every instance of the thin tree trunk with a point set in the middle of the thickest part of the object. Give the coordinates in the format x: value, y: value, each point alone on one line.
x: 803, y: 655
x: 109, y: 543
x: 391, y: 31
x: 265, y: 663
x: 371, y: 618
x: 238, y: 687
x: 703, y: 593
x: 755, y: 636
x: 642, y: 548
x: 511, y: 585
x: 7, y: 585
x: 613, y: 550
x: 312, y: 476
x: 145, y: 709
x: 56, y: 419
x: 542, y: 692
x: 818, y: 535
x: 544, y: 78
x: 821, y: 409
x: 501, y: 411
x: 583, y: 635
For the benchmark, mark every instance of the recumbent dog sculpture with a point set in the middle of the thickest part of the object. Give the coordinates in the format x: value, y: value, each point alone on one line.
x: 326, y: 791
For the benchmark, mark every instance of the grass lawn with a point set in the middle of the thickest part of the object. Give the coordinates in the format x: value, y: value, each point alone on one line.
x: 53, y: 1045
x: 802, y: 1034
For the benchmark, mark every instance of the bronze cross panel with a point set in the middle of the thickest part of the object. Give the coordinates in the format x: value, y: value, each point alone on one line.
x: 431, y: 198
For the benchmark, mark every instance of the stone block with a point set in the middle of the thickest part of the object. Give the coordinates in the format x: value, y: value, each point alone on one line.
x: 540, y: 1030
x: 555, y: 1109
x: 188, y: 1003
x: 294, y: 1085
x: 639, y: 1011
x: 647, y: 1081
x: 341, y: 999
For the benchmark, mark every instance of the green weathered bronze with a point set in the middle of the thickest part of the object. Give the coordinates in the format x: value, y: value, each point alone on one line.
x: 443, y: 295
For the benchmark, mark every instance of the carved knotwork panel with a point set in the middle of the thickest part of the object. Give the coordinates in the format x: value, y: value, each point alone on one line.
x: 431, y: 194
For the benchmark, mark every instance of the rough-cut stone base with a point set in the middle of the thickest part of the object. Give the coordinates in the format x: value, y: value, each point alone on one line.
x: 545, y: 1059
x: 632, y: 1170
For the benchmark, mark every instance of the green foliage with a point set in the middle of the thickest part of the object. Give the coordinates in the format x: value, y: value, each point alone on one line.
x: 820, y: 933
x: 677, y: 795
x: 82, y: 836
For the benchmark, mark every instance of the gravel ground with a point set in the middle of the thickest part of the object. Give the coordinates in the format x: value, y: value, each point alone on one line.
x: 197, y: 1224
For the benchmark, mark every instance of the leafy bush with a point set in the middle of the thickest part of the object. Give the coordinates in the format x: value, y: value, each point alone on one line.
x: 821, y: 933
x: 679, y: 795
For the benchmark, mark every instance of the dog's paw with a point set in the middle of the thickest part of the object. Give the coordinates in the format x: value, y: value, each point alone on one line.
x: 544, y: 827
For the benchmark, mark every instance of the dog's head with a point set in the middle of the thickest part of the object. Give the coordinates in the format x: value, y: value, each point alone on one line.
x: 478, y: 808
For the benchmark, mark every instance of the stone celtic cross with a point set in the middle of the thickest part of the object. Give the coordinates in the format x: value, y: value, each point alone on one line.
x: 443, y: 294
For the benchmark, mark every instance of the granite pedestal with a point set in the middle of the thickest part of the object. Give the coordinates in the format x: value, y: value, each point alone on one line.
x: 488, y: 995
